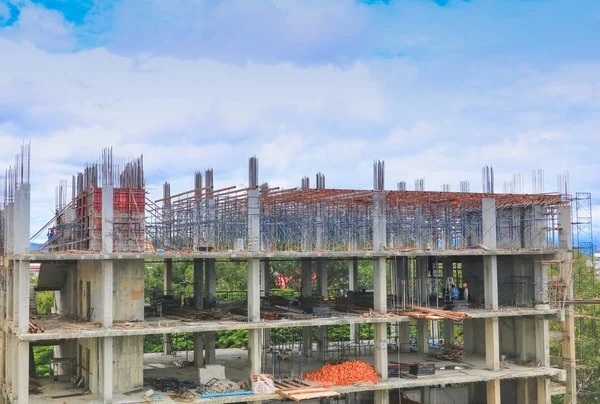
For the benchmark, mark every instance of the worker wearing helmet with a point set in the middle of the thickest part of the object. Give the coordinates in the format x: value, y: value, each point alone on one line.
x: 465, y: 291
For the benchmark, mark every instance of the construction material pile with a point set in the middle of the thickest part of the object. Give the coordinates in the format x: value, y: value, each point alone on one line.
x: 344, y: 373
x: 219, y: 386
x: 34, y: 328
x: 453, y: 354
x: 425, y: 313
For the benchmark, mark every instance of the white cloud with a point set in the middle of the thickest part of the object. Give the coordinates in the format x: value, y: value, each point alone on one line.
x: 47, y: 29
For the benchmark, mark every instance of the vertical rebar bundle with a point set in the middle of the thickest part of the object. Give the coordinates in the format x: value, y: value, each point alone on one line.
x: 378, y: 175
x: 253, y: 172
x: 487, y: 179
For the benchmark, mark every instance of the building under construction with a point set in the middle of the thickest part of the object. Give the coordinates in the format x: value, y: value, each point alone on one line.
x: 469, y: 291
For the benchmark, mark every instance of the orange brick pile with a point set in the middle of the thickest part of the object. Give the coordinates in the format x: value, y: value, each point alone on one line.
x: 344, y: 373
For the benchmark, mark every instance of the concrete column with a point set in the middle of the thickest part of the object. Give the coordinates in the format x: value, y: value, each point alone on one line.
x: 492, y: 344
x: 565, y: 256
x: 24, y: 275
x: 540, y: 272
x: 211, y: 282
x: 522, y: 338
x: 542, y: 348
x: 167, y: 344
x: 210, y: 285
x: 306, y: 266
x: 423, y: 336
x: 210, y: 350
x: 322, y: 284
x: 107, y: 370
x: 16, y: 301
x: 543, y: 391
x: 422, y: 297
x: 107, y: 294
x: 523, y: 392
x: 198, y: 349
x: 264, y: 276
x: 22, y: 389
x: 198, y: 284
x: 404, y: 337
x: 493, y: 392
x: 468, y: 337
x: 380, y: 306
x: 353, y: 285
x: 254, y: 340
x: 9, y: 359
x: 380, y: 288
x: 448, y: 324
x: 254, y: 272
x: 168, y: 277
x: 490, y: 262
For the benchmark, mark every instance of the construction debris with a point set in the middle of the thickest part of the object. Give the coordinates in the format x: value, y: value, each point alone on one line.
x: 172, y: 385
x: 34, y: 328
x: 455, y: 353
x: 219, y: 386
x: 344, y: 373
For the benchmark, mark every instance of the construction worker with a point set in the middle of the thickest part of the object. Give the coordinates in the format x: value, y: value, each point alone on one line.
x: 454, y: 293
x: 465, y: 291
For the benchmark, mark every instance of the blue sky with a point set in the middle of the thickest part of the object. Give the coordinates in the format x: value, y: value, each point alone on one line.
x: 437, y: 89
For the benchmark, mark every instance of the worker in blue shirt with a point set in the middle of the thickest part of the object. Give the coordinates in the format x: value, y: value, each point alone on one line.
x: 454, y: 293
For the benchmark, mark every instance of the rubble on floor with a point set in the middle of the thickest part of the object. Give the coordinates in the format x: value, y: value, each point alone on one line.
x: 453, y: 354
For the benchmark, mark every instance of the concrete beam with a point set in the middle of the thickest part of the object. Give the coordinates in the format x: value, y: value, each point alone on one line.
x: 289, y: 255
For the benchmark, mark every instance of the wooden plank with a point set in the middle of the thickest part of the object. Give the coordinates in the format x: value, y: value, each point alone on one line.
x: 310, y: 396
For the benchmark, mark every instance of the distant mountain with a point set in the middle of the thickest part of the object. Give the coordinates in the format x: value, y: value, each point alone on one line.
x: 34, y: 246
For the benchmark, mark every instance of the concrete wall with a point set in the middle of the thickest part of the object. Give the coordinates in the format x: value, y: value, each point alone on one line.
x: 66, y: 349
x: 508, y: 337
x: 128, y: 364
x: 66, y: 298
x: 128, y: 357
x: 88, y: 364
x: 128, y: 289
